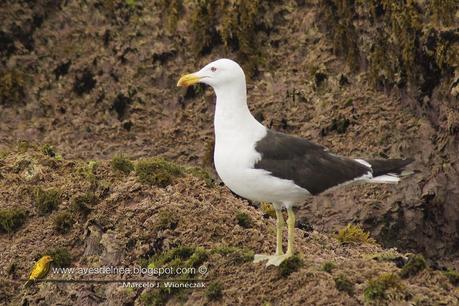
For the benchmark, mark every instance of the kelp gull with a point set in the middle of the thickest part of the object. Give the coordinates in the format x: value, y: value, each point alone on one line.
x: 267, y: 166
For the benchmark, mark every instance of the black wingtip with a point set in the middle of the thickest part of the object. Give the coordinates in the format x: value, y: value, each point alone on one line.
x: 384, y: 166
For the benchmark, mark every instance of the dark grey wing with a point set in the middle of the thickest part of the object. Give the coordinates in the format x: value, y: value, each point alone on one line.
x: 307, y: 164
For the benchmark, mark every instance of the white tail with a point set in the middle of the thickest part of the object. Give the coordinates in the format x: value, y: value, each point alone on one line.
x: 385, y: 179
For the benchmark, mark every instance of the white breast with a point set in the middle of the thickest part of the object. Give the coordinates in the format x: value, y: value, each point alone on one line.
x: 235, y: 157
x: 236, y: 134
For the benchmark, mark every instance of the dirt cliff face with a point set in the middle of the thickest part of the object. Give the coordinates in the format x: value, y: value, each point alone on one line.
x: 364, y: 78
x: 411, y: 50
x: 118, y: 214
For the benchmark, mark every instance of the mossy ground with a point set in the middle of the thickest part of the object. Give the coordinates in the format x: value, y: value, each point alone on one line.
x: 243, y: 219
x: 88, y: 172
x: 179, y: 257
x: 413, y: 266
x: 48, y: 150
x: 328, y: 266
x: 61, y: 257
x: 290, y: 265
x: 46, y: 200
x: 353, y: 234
x: 12, y: 84
x: 166, y: 220
x: 342, y: 283
x: 453, y: 277
x: 11, y: 219
x: 122, y: 164
x: 389, y: 255
x: 202, y: 174
x: 378, y: 287
x: 214, y: 291
x: 396, y: 53
x: 234, y: 254
x: 191, y: 225
x: 240, y: 26
x: 120, y: 56
x: 268, y: 210
x: 183, y: 256
x: 82, y: 203
x: 157, y: 171
x: 63, y: 222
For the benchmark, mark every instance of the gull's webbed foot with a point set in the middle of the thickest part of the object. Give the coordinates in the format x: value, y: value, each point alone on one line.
x: 272, y: 260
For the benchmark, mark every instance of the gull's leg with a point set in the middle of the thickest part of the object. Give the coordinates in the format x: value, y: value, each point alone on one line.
x: 280, y: 223
x: 291, y: 231
x: 277, y: 260
x: 279, y: 227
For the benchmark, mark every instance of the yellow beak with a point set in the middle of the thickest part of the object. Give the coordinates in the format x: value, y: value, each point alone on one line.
x: 187, y: 80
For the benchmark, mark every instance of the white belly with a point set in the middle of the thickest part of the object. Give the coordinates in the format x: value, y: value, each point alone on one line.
x: 236, y: 135
x: 235, y: 166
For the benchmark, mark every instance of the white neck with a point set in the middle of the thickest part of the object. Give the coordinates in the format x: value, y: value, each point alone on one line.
x: 232, y: 115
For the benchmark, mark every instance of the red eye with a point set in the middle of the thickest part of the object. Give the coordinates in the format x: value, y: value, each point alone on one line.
x: 213, y: 69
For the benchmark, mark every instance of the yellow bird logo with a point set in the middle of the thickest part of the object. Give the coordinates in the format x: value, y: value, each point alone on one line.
x: 40, y: 269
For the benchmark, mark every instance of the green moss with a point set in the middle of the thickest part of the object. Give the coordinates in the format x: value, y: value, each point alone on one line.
x: 235, y: 254
x: 235, y: 24
x: 202, y: 174
x: 166, y: 220
x: 342, y: 283
x: 268, y: 210
x: 406, y: 25
x: 353, y: 234
x: 199, y: 256
x: 61, y: 257
x: 239, y: 32
x: 21, y: 165
x: 443, y: 11
x: 243, y: 219
x: 208, y: 158
x: 157, y: 171
x: 290, y: 265
x: 403, y: 43
x: 12, y: 84
x: 445, y: 53
x: 173, y: 10
x: 163, y: 295
x: 414, y: 265
x: 183, y: 256
x: 48, y: 150
x: 377, y: 287
x: 4, y: 154
x: 453, y: 277
x: 379, y: 55
x: 204, y: 19
x: 130, y: 3
x: 155, y: 297
x: 113, y: 5
x: 12, y: 268
x: 339, y: 16
x: 122, y: 164
x: 88, y: 171
x: 339, y: 125
x: 11, y: 219
x: 328, y: 266
x: 63, y: 222
x: 23, y: 146
x: 82, y: 203
x: 214, y: 291
x: 384, y: 256
x: 46, y: 200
